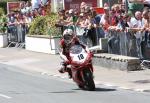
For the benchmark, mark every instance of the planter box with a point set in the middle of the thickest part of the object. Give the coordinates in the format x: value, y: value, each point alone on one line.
x: 3, y: 40
x: 42, y: 44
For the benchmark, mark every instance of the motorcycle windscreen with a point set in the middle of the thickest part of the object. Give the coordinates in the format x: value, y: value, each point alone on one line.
x: 78, y: 54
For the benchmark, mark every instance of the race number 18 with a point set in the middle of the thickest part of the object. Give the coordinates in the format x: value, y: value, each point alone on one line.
x: 80, y: 56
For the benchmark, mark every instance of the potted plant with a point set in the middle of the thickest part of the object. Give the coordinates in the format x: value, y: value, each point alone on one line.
x: 3, y: 29
x: 43, y: 35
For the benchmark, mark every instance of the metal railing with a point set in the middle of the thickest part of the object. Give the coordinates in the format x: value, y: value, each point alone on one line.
x: 126, y: 43
x: 16, y: 35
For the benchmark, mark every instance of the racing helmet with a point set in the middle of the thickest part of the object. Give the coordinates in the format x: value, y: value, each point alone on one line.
x: 68, y: 36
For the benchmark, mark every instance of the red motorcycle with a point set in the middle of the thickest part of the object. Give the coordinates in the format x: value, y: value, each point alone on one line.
x: 81, y: 67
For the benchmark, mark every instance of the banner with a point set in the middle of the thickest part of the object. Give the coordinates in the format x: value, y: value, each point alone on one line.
x: 75, y: 4
x: 99, y: 10
x: 13, y: 6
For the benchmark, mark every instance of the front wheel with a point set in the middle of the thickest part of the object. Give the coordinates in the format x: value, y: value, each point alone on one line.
x: 88, y: 80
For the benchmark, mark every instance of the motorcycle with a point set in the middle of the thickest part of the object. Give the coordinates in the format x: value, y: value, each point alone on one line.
x: 81, y: 67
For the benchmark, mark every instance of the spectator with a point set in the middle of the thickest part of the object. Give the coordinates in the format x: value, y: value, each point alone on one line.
x: 91, y: 26
x: 145, y: 16
x: 146, y: 41
x: 136, y: 21
x: 136, y: 25
x: 147, y: 23
x: 81, y: 21
x: 28, y: 20
x: 80, y: 28
x: 82, y: 7
x: 21, y: 27
x: 61, y: 18
x: 22, y: 7
x: 105, y: 21
x: 75, y: 17
x: 60, y: 22
x: 12, y: 30
x: 35, y: 13
x: 69, y: 19
x: 146, y: 3
x: 28, y: 7
x: 126, y: 21
x: 42, y: 11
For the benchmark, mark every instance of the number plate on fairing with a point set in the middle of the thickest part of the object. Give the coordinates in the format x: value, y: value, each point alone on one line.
x: 78, y: 54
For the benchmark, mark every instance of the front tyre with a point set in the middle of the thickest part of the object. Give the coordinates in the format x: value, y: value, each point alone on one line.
x: 88, y: 80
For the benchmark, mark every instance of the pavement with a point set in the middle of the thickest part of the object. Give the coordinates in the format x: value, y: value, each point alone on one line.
x: 48, y: 64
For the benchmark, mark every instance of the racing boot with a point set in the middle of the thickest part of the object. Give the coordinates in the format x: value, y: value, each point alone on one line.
x: 69, y: 72
x: 65, y: 69
x: 62, y: 70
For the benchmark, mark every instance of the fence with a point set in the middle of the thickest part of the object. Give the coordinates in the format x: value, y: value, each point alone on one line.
x: 129, y: 44
x: 16, y: 35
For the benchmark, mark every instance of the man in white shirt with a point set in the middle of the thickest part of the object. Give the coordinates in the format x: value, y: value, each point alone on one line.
x: 137, y: 24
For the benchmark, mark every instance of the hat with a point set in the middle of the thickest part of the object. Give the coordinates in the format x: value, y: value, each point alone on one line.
x: 106, y: 8
x: 70, y: 11
x: 81, y: 14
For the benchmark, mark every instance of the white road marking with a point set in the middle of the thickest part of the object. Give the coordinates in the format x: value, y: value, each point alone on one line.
x: 20, y: 61
x: 5, y: 96
x: 98, y: 83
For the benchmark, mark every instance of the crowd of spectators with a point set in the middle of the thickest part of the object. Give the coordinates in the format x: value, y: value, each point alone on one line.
x: 88, y: 24
x: 19, y: 20
x: 26, y: 13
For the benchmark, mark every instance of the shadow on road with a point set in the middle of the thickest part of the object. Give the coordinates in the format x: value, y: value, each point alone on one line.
x: 104, y: 90
x: 99, y: 89
x: 142, y: 81
x: 63, y: 92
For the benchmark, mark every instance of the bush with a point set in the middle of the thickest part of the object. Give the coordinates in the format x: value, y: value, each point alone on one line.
x: 44, y: 25
x: 3, y: 6
x: 1, y: 11
x: 38, y: 26
x: 3, y: 21
x: 51, y: 21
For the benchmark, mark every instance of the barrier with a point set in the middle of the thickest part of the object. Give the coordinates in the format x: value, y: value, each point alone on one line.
x: 16, y: 35
x: 127, y: 44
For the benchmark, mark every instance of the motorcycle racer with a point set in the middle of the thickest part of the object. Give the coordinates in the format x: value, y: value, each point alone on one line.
x: 68, y: 39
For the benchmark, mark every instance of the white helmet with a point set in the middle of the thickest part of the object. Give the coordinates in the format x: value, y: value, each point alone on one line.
x: 68, y: 36
x: 68, y: 32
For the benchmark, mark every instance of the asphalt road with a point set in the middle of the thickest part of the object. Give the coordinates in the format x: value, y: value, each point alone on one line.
x: 17, y: 86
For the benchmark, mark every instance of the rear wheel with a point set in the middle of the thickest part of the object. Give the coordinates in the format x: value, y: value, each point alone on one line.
x: 88, y: 80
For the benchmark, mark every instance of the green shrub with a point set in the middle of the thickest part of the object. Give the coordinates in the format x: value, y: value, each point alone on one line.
x: 38, y: 26
x: 44, y: 25
x: 3, y: 6
x: 1, y: 11
x: 3, y: 21
x: 52, y: 29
